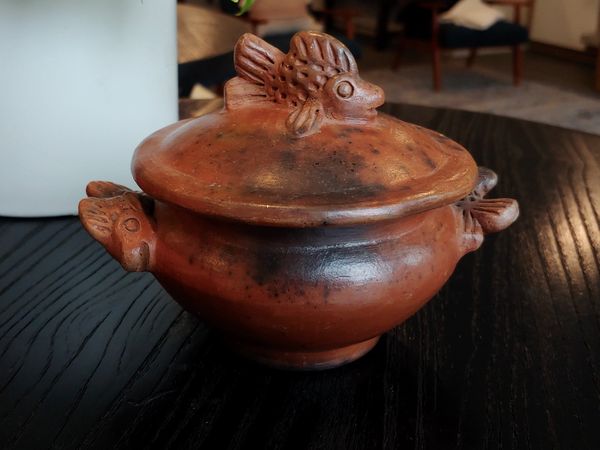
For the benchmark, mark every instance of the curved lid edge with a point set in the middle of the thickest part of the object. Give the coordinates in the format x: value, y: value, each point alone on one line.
x: 168, y: 188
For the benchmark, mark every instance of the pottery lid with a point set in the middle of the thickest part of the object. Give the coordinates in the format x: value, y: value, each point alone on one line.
x: 299, y: 143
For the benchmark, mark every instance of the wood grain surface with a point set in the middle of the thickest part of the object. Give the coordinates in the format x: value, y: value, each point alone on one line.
x: 506, y: 356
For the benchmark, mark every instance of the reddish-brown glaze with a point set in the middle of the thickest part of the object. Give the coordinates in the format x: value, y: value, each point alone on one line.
x: 347, y: 173
x: 305, y: 297
x: 297, y: 221
x: 303, y: 360
x: 317, y: 81
x: 122, y: 221
x: 299, y: 143
x: 304, y: 289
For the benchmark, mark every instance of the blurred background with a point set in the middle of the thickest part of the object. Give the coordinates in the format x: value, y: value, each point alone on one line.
x: 82, y: 82
x: 532, y: 59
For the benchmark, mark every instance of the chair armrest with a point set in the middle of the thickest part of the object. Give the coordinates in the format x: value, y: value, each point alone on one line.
x: 340, y: 12
x: 510, y: 2
x: 432, y: 5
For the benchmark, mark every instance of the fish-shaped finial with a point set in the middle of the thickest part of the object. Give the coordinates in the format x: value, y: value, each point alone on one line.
x: 316, y: 79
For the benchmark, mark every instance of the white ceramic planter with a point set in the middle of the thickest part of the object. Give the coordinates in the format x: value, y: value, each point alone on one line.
x: 82, y: 82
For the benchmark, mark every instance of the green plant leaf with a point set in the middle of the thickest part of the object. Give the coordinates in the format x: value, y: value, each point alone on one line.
x: 245, y: 6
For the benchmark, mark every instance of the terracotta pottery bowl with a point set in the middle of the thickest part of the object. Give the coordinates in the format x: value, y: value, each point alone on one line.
x: 298, y: 221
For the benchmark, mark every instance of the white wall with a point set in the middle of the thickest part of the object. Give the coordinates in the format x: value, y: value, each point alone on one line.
x: 82, y: 82
x: 563, y: 22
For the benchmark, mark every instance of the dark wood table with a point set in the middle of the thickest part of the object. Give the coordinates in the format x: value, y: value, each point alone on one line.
x: 506, y: 356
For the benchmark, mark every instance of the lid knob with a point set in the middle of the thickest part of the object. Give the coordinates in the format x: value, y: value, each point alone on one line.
x: 317, y: 80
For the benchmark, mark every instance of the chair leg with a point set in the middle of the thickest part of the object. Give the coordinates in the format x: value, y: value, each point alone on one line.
x: 471, y: 57
x: 398, y: 57
x: 350, y: 29
x: 598, y: 68
x: 437, y: 69
x: 517, y: 53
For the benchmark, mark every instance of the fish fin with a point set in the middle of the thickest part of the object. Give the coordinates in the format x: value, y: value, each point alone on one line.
x: 306, y: 119
x: 240, y: 92
x: 95, y: 219
x: 105, y: 189
x: 256, y: 60
x: 322, y: 49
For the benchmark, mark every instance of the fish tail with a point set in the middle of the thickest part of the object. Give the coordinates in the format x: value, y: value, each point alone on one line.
x: 255, y: 59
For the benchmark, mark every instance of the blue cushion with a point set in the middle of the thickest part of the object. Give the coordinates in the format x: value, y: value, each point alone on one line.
x: 502, y: 33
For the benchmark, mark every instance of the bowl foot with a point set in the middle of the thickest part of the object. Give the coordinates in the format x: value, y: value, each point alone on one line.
x: 304, y: 360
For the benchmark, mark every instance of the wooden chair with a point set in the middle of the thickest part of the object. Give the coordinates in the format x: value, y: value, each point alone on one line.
x: 347, y: 15
x: 438, y: 36
x: 598, y: 53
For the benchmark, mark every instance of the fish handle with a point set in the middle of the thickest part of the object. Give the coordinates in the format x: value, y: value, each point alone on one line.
x: 122, y: 221
x: 480, y: 216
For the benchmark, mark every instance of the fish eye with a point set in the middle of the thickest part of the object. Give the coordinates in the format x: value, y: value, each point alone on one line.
x: 345, y: 89
x: 132, y: 224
